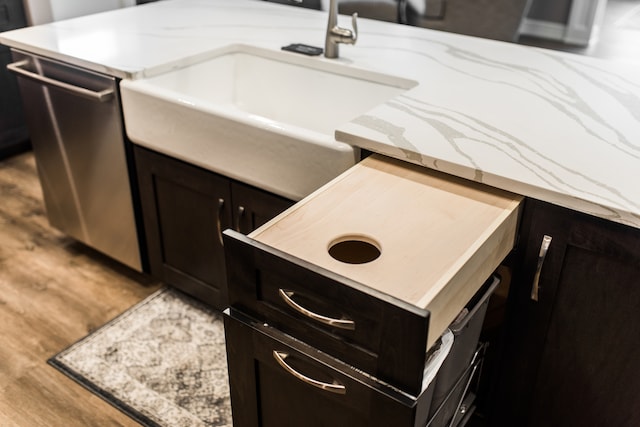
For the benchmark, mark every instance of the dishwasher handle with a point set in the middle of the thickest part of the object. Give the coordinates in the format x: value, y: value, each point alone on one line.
x: 100, y: 96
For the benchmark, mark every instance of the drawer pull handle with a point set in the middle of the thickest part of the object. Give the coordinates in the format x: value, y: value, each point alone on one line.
x: 335, y: 387
x: 100, y: 96
x: 287, y: 297
x: 219, y: 220
x: 239, y: 217
x: 544, y: 247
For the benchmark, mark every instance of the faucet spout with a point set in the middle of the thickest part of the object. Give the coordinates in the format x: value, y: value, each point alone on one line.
x: 335, y: 34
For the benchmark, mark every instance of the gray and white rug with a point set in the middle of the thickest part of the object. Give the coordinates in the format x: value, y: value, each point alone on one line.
x: 162, y: 362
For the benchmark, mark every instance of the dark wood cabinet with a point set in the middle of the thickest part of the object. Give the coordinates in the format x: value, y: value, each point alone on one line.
x: 277, y: 379
x: 570, y: 357
x: 185, y: 209
x: 311, y: 340
x: 14, y: 136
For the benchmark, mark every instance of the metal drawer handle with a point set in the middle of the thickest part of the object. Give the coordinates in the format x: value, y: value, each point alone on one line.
x: 544, y: 247
x: 287, y: 296
x: 218, y: 220
x: 239, y: 217
x: 102, y: 96
x: 333, y: 388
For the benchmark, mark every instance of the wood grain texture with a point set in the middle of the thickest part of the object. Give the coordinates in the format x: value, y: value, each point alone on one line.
x: 440, y: 237
x: 53, y: 291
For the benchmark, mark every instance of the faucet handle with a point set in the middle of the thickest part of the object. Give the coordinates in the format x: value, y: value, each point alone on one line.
x: 335, y: 34
x: 354, y: 24
x: 345, y: 35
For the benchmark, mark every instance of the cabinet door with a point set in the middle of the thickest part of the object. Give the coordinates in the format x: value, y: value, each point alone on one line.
x: 14, y: 136
x: 571, y: 357
x: 253, y: 207
x: 277, y: 381
x: 185, y: 209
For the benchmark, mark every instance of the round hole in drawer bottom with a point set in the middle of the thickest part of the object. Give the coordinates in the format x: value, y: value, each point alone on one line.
x: 354, y: 249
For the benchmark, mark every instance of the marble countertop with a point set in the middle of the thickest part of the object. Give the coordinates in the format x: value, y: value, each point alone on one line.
x: 554, y: 126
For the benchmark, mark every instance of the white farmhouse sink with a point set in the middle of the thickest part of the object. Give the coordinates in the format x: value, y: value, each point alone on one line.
x: 263, y: 117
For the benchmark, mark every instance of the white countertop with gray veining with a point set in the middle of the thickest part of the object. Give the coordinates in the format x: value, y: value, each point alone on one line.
x: 549, y: 125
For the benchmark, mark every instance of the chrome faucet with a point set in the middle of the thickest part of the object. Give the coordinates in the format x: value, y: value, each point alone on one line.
x: 336, y: 34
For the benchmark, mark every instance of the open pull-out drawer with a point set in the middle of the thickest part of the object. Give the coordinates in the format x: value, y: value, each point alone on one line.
x: 374, y: 266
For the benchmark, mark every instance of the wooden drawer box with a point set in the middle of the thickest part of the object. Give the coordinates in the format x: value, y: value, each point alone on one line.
x: 437, y: 240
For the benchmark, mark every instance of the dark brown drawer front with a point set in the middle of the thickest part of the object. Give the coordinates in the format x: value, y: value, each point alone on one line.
x: 360, y: 326
x: 279, y: 381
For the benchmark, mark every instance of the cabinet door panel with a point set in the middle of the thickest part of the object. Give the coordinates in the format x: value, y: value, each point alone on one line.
x: 184, y: 210
x: 187, y: 223
x: 569, y: 356
x: 587, y: 373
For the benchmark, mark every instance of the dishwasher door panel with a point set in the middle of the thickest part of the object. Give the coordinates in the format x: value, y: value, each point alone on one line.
x: 78, y: 143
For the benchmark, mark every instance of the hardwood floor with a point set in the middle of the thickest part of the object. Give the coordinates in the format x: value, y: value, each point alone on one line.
x: 53, y: 291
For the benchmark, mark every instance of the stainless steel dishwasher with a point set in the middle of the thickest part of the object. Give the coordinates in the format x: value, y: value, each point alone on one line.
x: 74, y: 119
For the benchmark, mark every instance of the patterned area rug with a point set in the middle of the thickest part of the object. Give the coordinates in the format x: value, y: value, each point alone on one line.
x: 162, y: 362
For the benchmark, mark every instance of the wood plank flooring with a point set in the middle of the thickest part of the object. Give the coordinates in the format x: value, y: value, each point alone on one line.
x: 53, y: 291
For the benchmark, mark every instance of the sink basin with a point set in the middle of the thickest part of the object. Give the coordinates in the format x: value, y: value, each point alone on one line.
x: 263, y: 117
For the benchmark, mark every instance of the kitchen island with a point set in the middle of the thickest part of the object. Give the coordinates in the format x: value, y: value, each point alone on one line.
x: 554, y: 126
x: 560, y: 129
